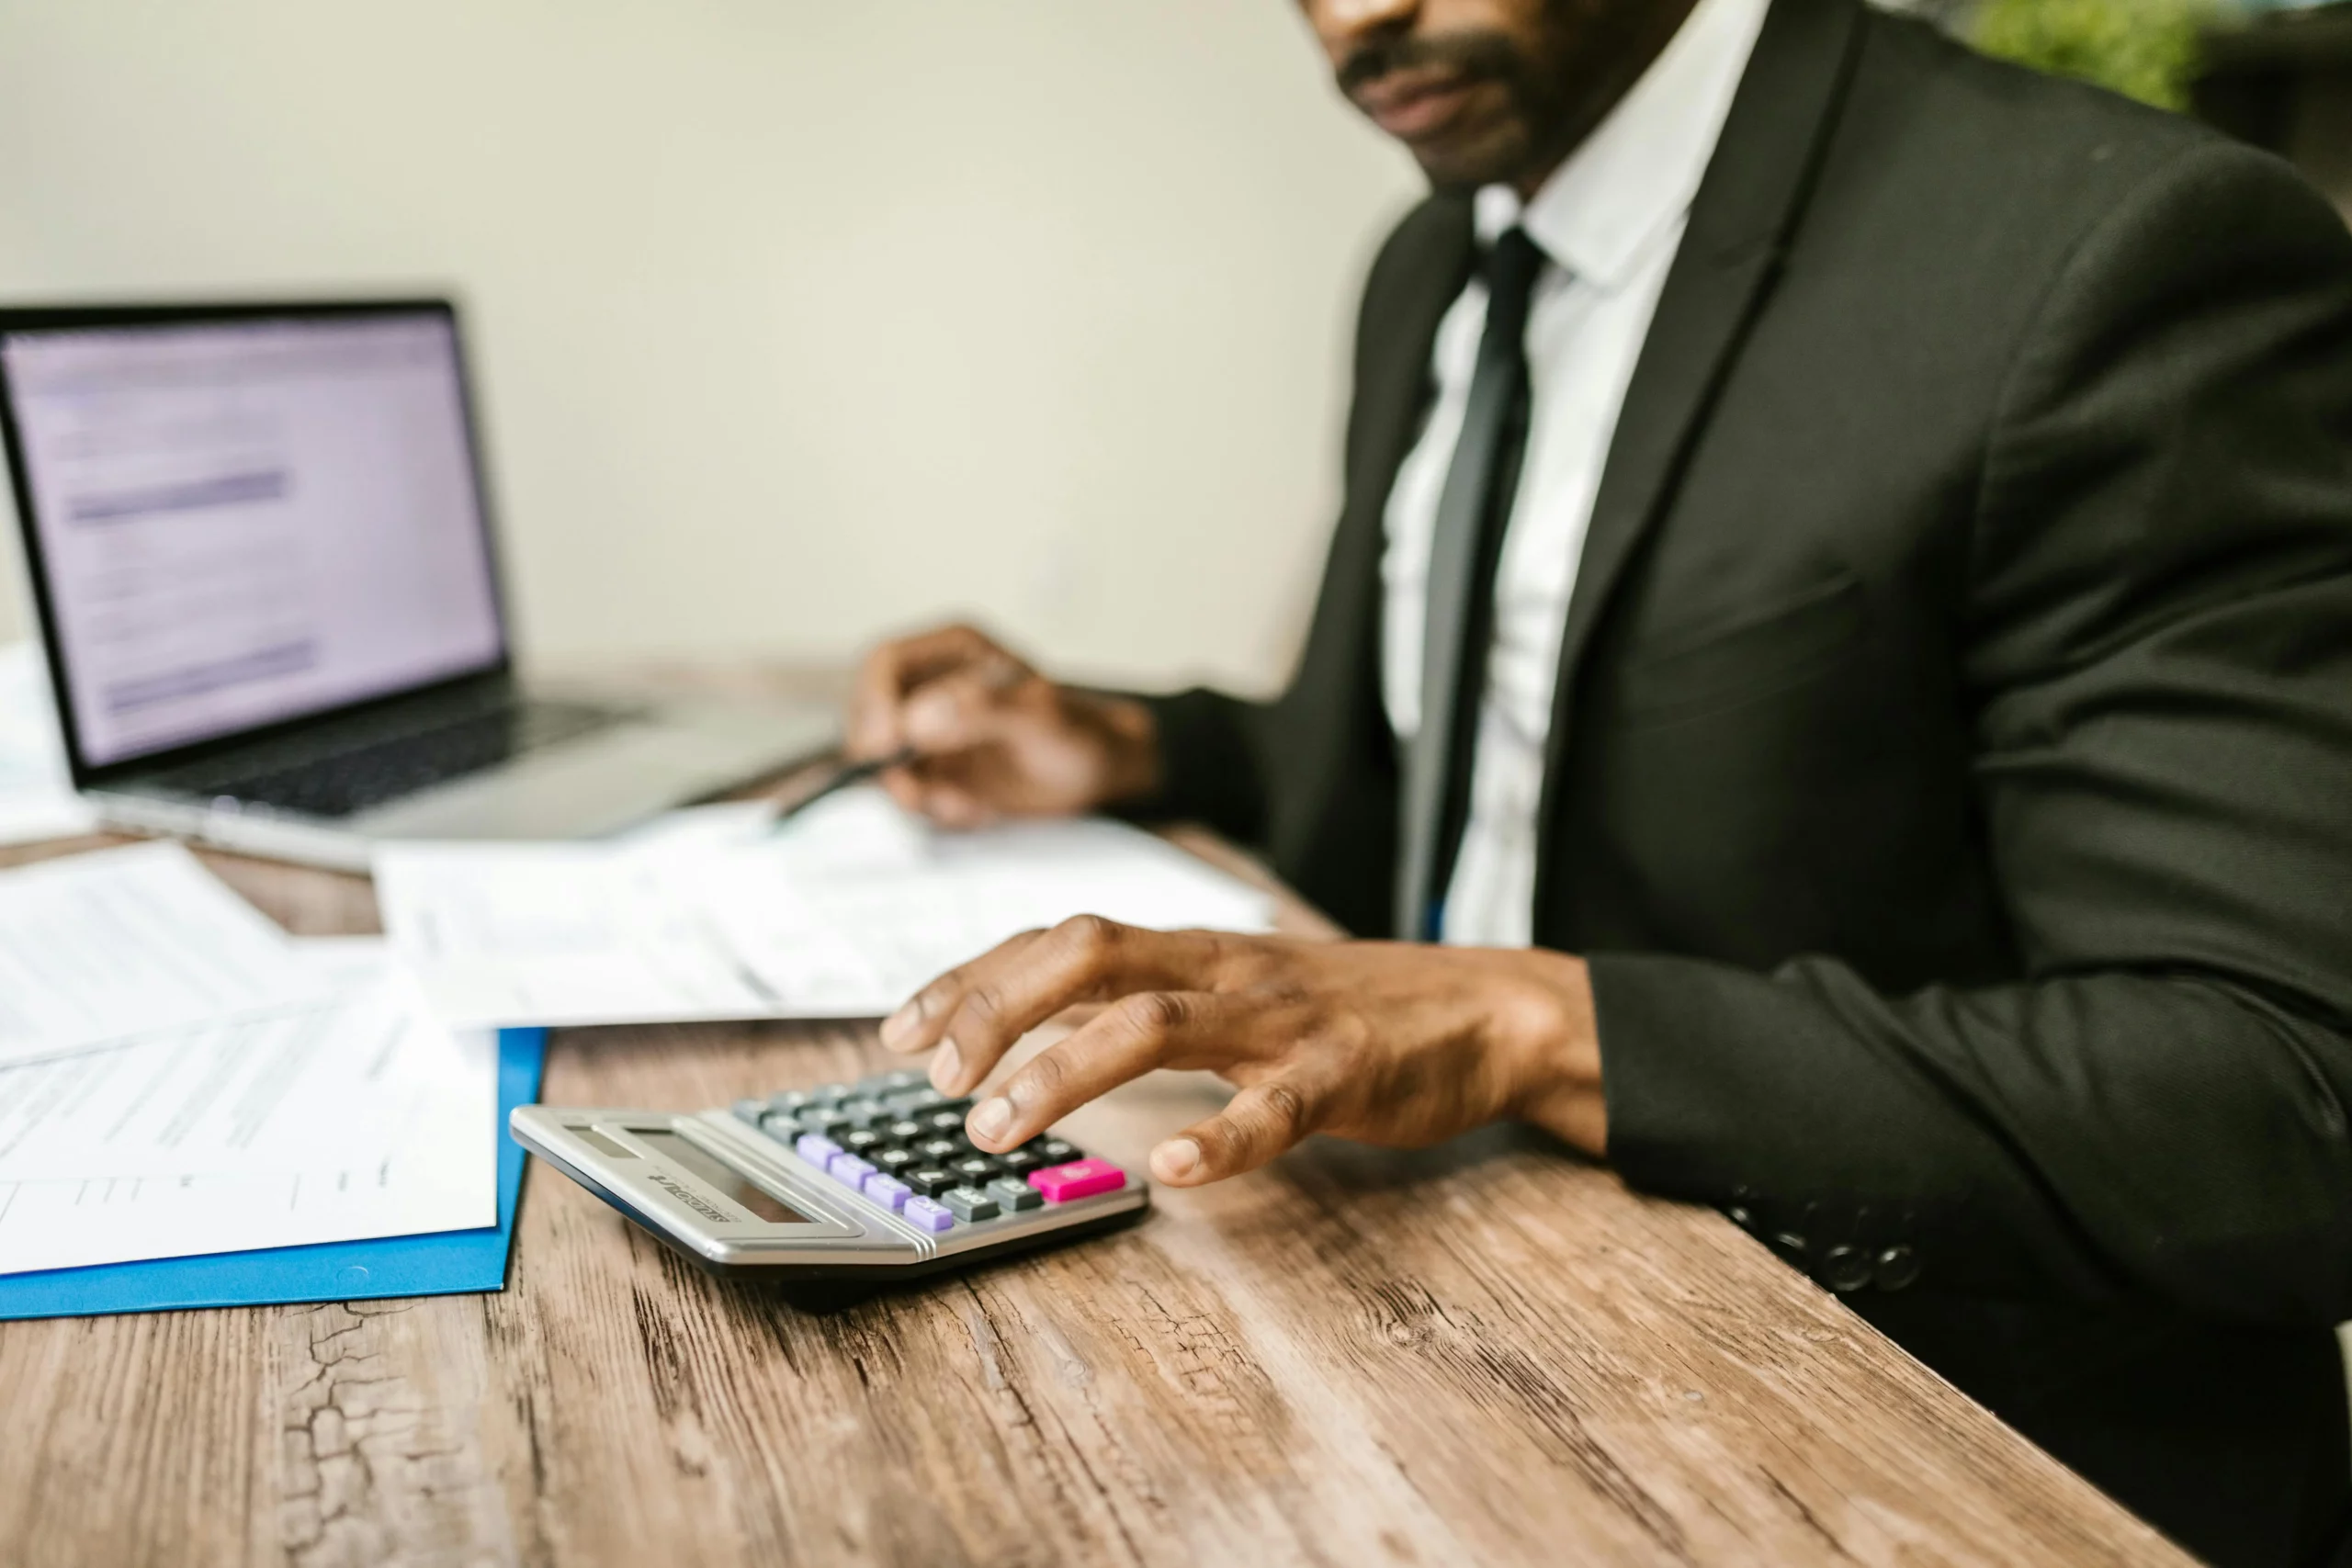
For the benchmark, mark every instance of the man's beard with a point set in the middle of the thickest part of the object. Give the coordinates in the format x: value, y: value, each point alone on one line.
x: 1503, y: 149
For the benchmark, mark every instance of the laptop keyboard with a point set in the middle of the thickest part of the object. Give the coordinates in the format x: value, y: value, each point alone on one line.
x: 353, y: 780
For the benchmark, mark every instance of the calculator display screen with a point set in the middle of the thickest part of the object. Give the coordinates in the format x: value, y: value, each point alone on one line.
x: 716, y: 1174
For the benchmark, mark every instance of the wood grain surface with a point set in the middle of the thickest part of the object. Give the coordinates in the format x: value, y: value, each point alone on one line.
x: 1489, y: 1353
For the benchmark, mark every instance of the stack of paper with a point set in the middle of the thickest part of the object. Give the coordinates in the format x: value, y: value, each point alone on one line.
x: 842, y: 914
x: 188, y: 1080
x: 103, y: 948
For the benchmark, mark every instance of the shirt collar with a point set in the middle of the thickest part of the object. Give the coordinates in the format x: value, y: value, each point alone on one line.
x: 1638, y: 171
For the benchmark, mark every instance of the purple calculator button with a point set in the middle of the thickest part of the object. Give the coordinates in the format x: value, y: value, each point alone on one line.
x: 887, y: 1189
x: 848, y: 1170
x: 928, y: 1215
x: 815, y: 1149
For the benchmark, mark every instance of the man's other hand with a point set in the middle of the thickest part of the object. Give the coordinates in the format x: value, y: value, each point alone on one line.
x: 995, y: 738
x: 1386, y: 1043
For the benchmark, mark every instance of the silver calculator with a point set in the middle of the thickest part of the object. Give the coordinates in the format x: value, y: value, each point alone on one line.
x: 865, y: 1181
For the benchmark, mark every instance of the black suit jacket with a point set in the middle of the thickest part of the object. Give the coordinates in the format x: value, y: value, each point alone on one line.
x: 1950, y: 780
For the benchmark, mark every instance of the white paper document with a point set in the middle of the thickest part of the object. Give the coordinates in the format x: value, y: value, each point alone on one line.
x: 842, y: 914
x: 37, y: 798
x: 103, y: 948
x: 362, y: 1116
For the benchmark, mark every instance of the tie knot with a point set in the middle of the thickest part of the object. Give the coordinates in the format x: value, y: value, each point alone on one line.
x: 1511, y: 263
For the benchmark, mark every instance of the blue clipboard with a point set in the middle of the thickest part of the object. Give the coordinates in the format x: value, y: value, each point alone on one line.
x: 448, y: 1263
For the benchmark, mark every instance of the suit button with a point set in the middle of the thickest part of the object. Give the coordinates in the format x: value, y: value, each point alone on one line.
x: 1846, y: 1269
x: 1897, y: 1266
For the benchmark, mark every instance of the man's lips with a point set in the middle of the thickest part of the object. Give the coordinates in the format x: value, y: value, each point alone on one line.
x: 1411, y: 104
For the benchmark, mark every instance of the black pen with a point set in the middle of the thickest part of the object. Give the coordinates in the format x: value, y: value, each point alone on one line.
x: 845, y: 776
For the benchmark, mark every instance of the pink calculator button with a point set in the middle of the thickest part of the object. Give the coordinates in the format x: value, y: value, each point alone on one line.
x: 1079, y: 1179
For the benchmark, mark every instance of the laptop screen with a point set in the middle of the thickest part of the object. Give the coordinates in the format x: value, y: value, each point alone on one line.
x: 241, y: 522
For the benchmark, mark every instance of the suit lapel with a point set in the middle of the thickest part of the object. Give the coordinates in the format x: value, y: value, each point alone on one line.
x: 1394, y: 389
x: 1740, y: 223
x: 1392, y: 377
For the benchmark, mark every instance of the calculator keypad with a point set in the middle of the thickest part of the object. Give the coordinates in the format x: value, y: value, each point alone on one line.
x: 899, y: 1143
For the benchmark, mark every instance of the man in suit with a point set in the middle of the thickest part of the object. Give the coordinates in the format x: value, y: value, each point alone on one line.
x: 1835, y: 671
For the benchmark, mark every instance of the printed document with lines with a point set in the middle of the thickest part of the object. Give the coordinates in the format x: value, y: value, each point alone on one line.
x: 842, y: 914
x: 99, y: 949
x: 358, y: 1117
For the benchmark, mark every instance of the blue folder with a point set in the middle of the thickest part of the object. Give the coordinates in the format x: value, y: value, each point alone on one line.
x: 446, y: 1263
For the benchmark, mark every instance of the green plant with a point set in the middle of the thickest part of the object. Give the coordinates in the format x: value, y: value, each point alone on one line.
x: 2142, y: 49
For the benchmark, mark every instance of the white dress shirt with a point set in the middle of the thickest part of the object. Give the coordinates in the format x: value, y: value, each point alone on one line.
x: 1609, y: 222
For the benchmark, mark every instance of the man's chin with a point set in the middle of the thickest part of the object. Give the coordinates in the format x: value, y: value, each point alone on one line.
x: 1496, y: 155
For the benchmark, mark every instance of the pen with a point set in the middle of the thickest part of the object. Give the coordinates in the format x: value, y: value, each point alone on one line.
x: 845, y: 776
x: 1000, y: 674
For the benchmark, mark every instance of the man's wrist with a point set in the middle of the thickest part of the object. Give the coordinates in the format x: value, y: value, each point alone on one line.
x: 1558, y: 1054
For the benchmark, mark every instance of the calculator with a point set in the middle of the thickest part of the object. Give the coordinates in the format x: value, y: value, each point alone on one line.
x: 868, y: 1181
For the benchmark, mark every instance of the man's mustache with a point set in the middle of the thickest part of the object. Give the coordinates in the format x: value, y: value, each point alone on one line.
x: 1468, y: 54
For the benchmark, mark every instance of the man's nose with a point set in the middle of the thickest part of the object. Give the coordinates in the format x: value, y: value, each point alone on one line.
x: 1343, y: 23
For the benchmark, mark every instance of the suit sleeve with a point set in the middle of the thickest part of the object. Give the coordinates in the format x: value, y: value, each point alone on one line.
x: 1212, y: 767
x: 2159, y: 659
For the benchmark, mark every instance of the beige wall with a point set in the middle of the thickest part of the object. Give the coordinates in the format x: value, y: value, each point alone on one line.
x: 796, y: 320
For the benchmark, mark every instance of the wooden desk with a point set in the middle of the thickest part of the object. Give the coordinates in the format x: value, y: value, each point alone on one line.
x: 1492, y: 1353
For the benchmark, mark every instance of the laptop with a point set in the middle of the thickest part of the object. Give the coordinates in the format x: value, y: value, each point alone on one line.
x: 266, y: 581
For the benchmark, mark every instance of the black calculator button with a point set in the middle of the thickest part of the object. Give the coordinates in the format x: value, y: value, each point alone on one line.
x: 829, y: 1094
x: 945, y: 1120
x: 905, y: 1131
x: 819, y: 1119
x: 863, y: 1141
x: 969, y: 1204
x: 863, y: 1113
x: 977, y: 1170
x: 750, y: 1111
x: 1015, y: 1195
x: 914, y: 1100
x: 1053, y: 1151
x: 1021, y: 1162
x: 895, y: 1161
x: 790, y: 1100
x: 943, y: 1149
x: 782, y: 1125
x: 929, y: 1181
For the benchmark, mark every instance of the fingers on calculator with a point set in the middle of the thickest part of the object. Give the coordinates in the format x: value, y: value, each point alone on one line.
x: 897, y: 1142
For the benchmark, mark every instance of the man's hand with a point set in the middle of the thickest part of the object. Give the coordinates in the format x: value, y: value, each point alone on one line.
x: 1387, y: 1043
x: 995, y: 738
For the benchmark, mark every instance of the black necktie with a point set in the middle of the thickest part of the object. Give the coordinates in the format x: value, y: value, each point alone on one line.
x: 1464, y: 549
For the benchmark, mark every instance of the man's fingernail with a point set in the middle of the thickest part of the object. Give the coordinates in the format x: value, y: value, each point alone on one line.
x: 899, y: 1024
x: 992, y: 1119
x: 946, y: 1066
x: 1176, y: 1160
